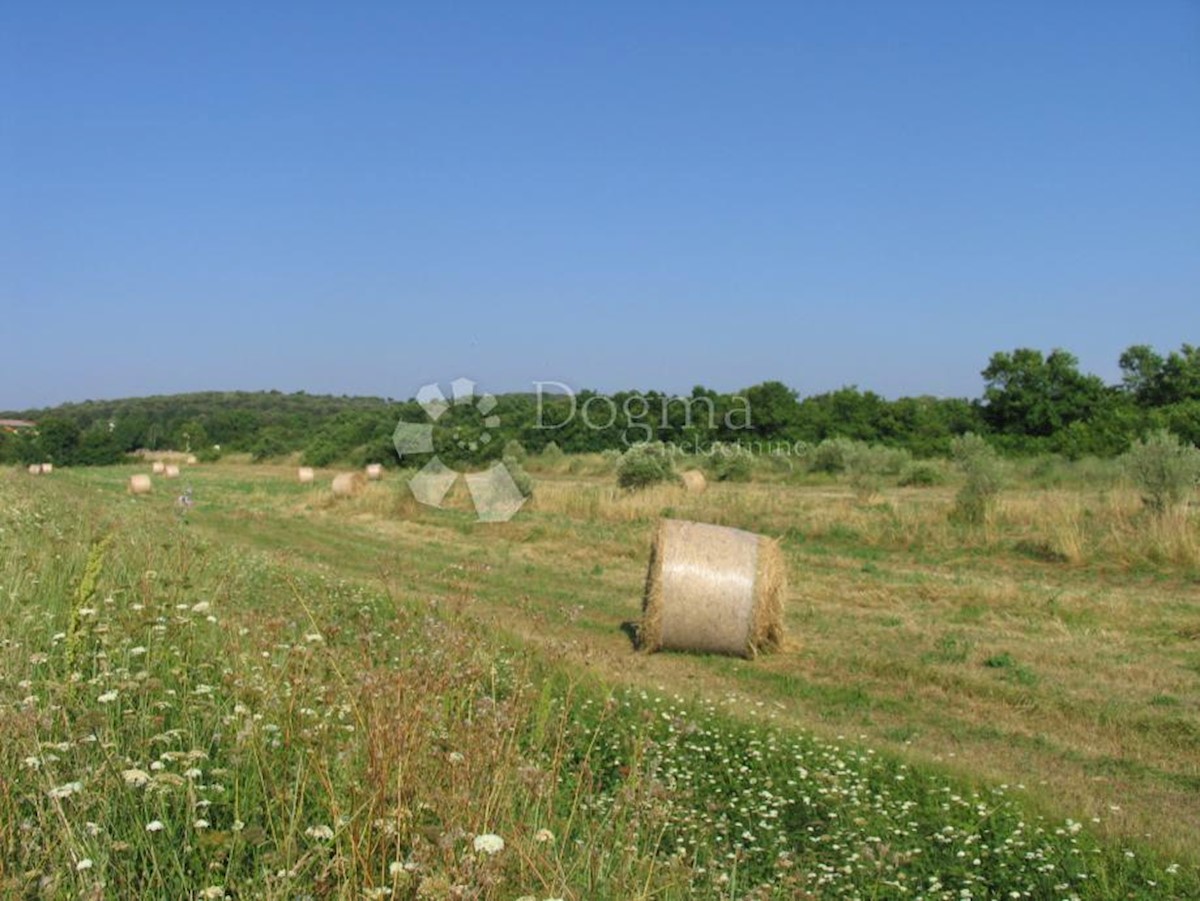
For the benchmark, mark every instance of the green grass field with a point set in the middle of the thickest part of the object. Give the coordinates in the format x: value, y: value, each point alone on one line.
x: 285, y: 696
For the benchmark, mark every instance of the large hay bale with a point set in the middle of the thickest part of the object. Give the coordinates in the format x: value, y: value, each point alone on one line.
x: 348, y: 484
x: 374, y: 471
x: 170, y: 471
x: 306, y: 475
x: 157, y: 467
x: 693, y: 480
x: 712, y: 588
x: 35, y: 469
x: 139, y: 484
x: 47, y: 468
x: 192, y: 460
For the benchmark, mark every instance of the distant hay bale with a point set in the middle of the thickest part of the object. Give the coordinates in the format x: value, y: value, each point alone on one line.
x: 35, y: 469
x: 348, y: 484
x: 374, y: 471
x: 47, y: 468
x: 306, y: 475
x: 157, y: 467
x: 191, y: 460
x: 139, y: 484
x: 714, y: 589
x: 693, y: 480
x: 170, y: 471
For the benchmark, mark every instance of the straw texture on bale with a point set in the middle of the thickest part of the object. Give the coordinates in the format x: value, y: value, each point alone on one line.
x: 374, y: 471
x: 139, y: 484
x: 348, y: 484
x: 35, y: 469
x: 191, y: 460
x: 714, y: 589
x: 306, y: 475
x: 157, y: 467
x: 47, y: 468
x: 171, y: 471
x: 693, y: 480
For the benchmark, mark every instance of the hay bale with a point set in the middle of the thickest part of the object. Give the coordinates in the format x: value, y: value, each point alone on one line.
x: 170, y: 471
x: 348, y: 484
x: 139, y: 484
x: 306, y: 475
x: 191, y: 460
x: 47, y: 468
x: 693, y: 480
x: 35, y: 469
x: 157, y: 467
x: 712, y: 588
x: 374, y: 471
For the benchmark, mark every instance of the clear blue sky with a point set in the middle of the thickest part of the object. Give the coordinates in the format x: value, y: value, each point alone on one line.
x: 360, y: 198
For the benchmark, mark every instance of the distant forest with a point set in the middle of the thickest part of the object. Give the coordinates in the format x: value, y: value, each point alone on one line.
x: 1031, y: 403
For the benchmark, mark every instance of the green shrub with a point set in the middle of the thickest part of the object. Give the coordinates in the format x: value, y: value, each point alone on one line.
x: 551, y: 453
x: 831, y: 455
x: 730, y: 463
x: 520, y: 477
x: 644, y: 465
x: 866, y: 467
x: 984, y: 473
x: 1164, y: 469
x: 514, y: 450
x: 921, y: 475
x: 209, y: 454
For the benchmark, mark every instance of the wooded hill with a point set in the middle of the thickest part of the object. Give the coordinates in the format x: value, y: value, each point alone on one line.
x: 1032, y: 402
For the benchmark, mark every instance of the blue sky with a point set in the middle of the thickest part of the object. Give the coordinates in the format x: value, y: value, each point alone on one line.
x: 361, y: 198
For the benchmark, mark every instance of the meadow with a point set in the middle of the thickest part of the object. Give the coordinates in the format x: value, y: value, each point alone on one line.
x: 283, y: 695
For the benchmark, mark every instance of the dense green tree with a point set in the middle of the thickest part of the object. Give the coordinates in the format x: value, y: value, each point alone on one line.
x: 774, y: 410
x: 1032, y: 395
x: 1156, y: 381
x: 58, y: 439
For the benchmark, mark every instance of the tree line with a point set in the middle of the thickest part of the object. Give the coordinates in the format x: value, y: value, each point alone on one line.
x: 1032, y: 402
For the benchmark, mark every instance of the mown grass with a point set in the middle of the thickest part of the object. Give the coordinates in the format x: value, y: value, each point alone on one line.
x: 316, y: 700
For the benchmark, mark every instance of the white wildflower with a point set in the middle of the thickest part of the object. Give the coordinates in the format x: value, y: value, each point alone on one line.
x: 65, y: 790
x: 488, y: 843
x: 321, y: 833
x: 155, y: 826
x: 85, y: 864
x: 136, y: 778
x: 108, y: 697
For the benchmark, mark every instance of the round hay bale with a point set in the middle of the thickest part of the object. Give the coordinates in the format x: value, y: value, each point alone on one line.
x: 714, y: 589
x: 157, y: 467
x: 47, y: 468
x: 348, y: 484
x: 35, y: 469
x: 693, y: 480
x: 374, y: 471
x: 139, y: 484
x: 306, y: 475
x: 170, y: 471
x: 191, y: 460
